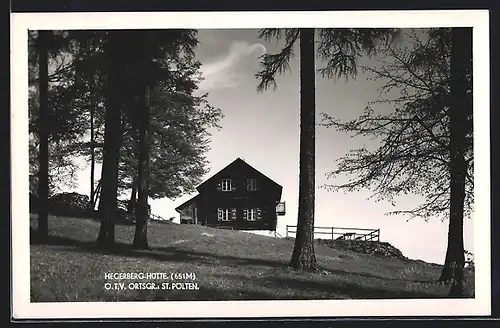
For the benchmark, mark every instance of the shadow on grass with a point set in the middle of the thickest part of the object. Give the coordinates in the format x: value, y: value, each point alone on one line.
x: 341, y: 289
x: 180, y: 255
x: 172, y: 254
x: 81, y: 246
x: 156, y: 253
x: 204, y: 294
x: 374, y: 276
x: 346, y: 288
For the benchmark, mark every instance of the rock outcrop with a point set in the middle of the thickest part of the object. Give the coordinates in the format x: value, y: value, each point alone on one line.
x: 365, y: 247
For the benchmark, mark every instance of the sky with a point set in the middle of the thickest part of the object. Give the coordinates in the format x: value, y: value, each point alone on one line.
x: 263, y: 129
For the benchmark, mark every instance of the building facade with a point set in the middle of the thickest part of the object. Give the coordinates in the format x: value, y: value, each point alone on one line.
x: 237, y: 197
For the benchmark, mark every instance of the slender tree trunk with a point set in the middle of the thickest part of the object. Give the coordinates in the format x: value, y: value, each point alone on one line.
x: 109, y: 179
x: 92, y: 145
x: 135, y: 180
x: 96, y: 195
x: 111, y: 151
x: 303, y: 256
x: 142, y: 213
x: 136, y: 152
x: 43, y: 126
x: 461, y: 54
x: 133, y: 197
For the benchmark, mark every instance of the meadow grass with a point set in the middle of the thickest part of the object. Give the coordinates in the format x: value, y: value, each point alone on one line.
x: 228, y: 265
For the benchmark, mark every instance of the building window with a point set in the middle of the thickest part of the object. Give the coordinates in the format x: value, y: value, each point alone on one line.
x: 251, y: 184
x: 223, y: 214
x: 252, y: 214
x: 226, y: 185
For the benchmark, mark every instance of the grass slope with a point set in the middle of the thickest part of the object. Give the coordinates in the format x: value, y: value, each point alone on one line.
x: 229, y: 265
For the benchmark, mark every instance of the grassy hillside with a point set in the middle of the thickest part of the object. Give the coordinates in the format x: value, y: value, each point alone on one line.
x: 228, y: 265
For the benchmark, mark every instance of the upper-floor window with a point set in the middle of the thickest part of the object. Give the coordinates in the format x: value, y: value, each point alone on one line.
x: 226, y: 184
x: 251, y: 184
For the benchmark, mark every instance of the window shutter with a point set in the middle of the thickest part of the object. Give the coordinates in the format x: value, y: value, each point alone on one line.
x: 245, y: 214
x: 233, y: 185
x: 219, y: 214
x: 259, y: 214
x: 219, y: 186
x: 245, y: 184
x: 233, y: 214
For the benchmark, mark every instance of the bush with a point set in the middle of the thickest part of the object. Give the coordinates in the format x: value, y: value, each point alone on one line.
x: 123, y: 214
x: 69, y: 204
x: 77, y: 205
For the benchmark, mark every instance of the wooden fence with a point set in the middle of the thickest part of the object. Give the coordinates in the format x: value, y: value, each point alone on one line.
x: 339, y: 233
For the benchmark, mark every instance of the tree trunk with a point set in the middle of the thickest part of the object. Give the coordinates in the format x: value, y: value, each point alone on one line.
x: 461, y: 54
x: 96, y: 195
x: 136, y: 151
x: 92, y: 145
x: 141, y: 212
x: 133, y: 197
x: 132, y: 205
x: 109, y: 179
x: 43, y: 125
x: 303, y: 256
x: 111, y: 151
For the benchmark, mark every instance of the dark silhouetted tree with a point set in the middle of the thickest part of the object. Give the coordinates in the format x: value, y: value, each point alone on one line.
x: 116, y: 50
x: 43, y: 131
x: 426, y: 141
x: 340, y: 48
x: 459, y: 112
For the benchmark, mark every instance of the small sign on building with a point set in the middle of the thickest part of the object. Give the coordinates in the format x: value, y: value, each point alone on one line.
x: 280, y: 208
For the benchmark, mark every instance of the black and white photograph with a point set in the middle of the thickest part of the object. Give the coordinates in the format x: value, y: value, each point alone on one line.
x: 277, y: 164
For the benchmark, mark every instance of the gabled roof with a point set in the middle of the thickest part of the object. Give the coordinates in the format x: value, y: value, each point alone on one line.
x: 178, y: 208
x: 237, y: 161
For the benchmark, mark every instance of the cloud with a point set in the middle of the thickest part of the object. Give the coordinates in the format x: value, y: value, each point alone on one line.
x: 223, y: 72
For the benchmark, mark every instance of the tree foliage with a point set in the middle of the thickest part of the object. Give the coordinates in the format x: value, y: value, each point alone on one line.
x: 340, y: 48
x: 180, y: 123
x: 96, y: 82
x: 180, y: 120
x: 412, y: 155
x: 63, y: 122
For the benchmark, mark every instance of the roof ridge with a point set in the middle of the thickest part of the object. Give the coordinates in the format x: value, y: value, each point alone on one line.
x: 233, y: 162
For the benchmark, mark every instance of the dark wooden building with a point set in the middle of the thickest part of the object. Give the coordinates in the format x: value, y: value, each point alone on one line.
x: 237, y: 197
